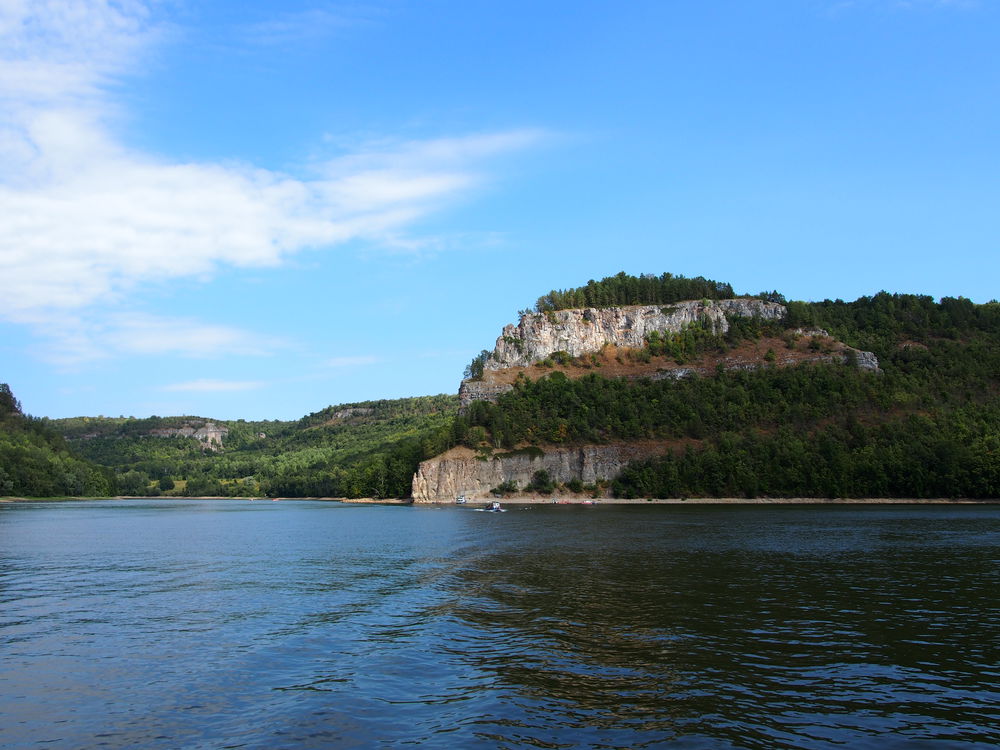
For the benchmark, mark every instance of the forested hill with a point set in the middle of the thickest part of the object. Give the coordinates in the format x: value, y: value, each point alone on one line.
x: 368, y: 449
x: 928, y: 424
x: 35, y: 461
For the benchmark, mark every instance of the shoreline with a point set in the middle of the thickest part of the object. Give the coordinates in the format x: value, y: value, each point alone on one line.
x: 726, y: 501
x: 539, y: 500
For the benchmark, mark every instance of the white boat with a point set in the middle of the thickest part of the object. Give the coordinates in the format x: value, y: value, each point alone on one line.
x: 461, y: 500
x: 493, y: 507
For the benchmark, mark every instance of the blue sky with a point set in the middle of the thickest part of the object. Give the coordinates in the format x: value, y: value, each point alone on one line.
x: 256, y: 209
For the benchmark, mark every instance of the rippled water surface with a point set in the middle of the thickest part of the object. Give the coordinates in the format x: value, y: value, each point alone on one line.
x: 186, y: 623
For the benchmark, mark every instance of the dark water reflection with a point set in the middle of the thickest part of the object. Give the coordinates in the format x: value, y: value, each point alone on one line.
x: 237, y: 624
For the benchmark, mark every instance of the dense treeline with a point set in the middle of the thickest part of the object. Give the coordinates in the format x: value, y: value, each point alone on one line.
x: 623, y: 289
x: 35, y: 461
x: 953, y: 454
x: 594, y: 409
x: 883, y: 322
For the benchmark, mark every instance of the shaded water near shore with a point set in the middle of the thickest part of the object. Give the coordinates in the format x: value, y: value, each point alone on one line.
x: 229, y: 623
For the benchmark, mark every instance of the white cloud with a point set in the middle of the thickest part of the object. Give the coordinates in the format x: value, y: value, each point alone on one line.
x: 84, y: 220
x: 54, y: 51
x: 206, y: 385
x: 149, y: 334
x: 97, y: 219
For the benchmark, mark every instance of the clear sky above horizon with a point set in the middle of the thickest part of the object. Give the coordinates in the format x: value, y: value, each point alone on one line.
x: 256, y: 209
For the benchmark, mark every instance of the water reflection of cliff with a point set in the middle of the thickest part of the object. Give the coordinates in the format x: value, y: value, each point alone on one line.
x: 741, y: 632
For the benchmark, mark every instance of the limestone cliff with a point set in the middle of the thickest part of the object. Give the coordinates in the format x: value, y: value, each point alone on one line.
x: 577, y: 332
x: 591, y: 331
x: 208, y: 433
x: 460, y: 471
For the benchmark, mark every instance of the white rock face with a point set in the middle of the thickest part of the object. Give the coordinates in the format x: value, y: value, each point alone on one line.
x: 208, y: 433
x: 865, y: 360
x: 459, y: 472
x: 583, y: 331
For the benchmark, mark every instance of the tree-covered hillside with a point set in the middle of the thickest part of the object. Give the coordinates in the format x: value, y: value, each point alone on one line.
x: 927, y: 425
x: 367, y: 449
x: 35, y: 460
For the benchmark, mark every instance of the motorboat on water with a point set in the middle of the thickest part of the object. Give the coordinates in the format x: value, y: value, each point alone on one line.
x: 461, y: 500
x: 493, y: 507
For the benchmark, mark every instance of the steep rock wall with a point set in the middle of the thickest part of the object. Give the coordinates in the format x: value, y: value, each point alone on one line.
x: 460, y: 472
x: 586, y: 331
x: 583, y: 331
x: 209, y: 433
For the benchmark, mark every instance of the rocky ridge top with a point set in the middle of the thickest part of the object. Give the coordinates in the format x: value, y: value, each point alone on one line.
x: 587, y: 330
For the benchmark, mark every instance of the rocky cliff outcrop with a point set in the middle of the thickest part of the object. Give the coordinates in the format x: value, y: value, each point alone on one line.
x: 460, y: 471
x: 607, y: 341
x: 480, y: 390
x: 578, y: 332
x: 209, y: 434
x: 590, y: 331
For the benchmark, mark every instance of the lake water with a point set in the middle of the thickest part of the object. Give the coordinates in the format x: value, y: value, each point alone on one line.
x: 229, y: 623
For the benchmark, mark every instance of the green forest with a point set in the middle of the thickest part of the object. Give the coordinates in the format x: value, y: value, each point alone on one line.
x: 926, y: 425
x: 36, y: 461
x: 366, y: 449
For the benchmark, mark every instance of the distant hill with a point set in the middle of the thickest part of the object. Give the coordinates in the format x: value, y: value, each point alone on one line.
x: 363, y: 449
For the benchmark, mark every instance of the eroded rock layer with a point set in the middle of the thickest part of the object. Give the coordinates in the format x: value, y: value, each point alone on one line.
x: 578, y: 332
x: 461, y: 472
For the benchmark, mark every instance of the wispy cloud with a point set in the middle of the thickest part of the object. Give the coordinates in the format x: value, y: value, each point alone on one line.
x: 64, y: 51
x: 98, y: 220
x: 77, y: 339
x: 150, y: 334
x: 84, y: 220
x: 214, y: 386
x: 304, y: 26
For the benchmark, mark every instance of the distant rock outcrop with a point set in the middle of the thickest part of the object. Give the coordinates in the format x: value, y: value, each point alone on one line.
x: 209, y: 434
